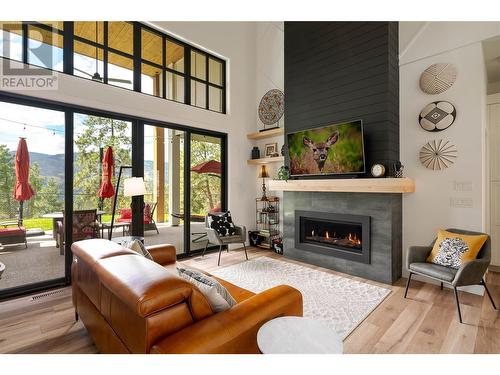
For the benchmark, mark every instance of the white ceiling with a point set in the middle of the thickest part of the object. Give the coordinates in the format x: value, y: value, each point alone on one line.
x: 491, y: 50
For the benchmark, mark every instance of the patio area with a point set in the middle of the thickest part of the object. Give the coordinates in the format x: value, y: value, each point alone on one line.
x: 42, y: 261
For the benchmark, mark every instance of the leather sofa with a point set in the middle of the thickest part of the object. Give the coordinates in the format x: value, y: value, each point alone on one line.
x: 130, y: 304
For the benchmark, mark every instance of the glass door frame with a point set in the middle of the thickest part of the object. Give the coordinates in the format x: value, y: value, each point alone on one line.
x: 137, y: 124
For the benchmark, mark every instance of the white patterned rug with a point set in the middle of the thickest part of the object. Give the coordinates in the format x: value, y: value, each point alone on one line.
x: 339, y: 302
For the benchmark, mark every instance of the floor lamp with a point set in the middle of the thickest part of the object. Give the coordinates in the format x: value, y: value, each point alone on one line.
x: 122, y: 167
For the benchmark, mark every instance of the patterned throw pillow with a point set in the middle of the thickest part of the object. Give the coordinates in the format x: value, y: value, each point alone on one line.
x: 453, y: 250
x: 222, y: 223
x: 138, y: 247
x: 197, y: 278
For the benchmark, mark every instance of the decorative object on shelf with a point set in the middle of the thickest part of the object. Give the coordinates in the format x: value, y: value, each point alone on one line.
x: 271, y: 149
x: 438, y: 78
x: 398, y: 169
x: 283, y: 150
x: 267, y: 220
x: 263, y: 174
x: 378, y: 170
x: 254, y: 238
x: 438, y: 154
x: 437, y: 116
x: 271, y: 107
x: 278, y: 245
x: 283, y: 173
x: 255, y: 153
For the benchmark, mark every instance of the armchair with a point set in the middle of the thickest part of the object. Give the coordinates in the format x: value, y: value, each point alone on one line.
x: 214, y: 237
x: 470, y: 273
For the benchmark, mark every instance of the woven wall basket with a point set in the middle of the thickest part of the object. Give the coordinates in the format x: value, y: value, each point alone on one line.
x: 438, y: 154
x: 438, y: 78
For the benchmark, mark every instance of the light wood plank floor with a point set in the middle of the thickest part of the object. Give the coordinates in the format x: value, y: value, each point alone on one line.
x: 426, y: 322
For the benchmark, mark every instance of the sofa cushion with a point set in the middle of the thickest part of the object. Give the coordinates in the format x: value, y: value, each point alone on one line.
x: 200, y: 277
x: 434, y: 270
x: 139, y: 248
x: 125, y: 213
x: 12, y: 231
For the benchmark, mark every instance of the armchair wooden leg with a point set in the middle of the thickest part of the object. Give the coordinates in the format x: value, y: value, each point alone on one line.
x: 244, y: 246
x: 220, y: 251
x: 488, y: 292
x: 458, y: 304
x: 408, y: 284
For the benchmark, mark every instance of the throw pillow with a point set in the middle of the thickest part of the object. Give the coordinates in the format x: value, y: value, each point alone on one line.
x: 222, y: 223
x: 138, y: 247
x: 196, y: 277
x: 453, y: 249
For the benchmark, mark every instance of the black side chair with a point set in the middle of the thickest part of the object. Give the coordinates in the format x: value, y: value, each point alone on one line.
x: 470, y: 273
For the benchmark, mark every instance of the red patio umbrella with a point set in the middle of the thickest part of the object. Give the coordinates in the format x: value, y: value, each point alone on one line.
x: 211, y: 167
x: 107, y: 189
x: 22, y: 190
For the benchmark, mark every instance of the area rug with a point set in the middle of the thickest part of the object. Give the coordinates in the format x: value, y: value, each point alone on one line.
x: 339, y: 302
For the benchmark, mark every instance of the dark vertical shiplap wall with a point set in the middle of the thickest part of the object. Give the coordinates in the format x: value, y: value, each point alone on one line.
x: 340, y: 71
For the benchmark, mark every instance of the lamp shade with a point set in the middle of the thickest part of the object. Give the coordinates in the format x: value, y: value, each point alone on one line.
x: 134, y: 186
x: 263, y: 172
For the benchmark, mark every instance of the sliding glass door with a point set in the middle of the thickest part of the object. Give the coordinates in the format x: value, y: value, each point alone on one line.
x: 164, y: 179
x: 32, y: 178
x: 206, y: 184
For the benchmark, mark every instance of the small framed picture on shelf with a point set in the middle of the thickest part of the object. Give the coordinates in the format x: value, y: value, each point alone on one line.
x: 271, y: 149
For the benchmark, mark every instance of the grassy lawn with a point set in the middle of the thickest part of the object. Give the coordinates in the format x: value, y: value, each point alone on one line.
x: 38, y: 222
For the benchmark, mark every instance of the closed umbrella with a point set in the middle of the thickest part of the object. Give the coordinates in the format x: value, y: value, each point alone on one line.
x: 22, y: 190
x: 107, y: 189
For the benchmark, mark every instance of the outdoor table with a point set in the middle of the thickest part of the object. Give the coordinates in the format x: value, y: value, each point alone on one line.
x: 59, y: 216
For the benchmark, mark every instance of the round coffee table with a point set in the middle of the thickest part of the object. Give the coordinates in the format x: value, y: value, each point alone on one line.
x: 297, y: 335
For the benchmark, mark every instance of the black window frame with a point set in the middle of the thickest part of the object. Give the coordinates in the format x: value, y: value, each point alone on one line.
x: 69, y: 39
x: 137, y: 124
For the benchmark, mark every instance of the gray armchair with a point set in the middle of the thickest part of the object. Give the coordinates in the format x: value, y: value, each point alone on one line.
x: 470, y: 273
x: 214, y: 237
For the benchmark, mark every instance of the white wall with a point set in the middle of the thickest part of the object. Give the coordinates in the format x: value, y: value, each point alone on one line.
x: 234, y: 41
x: 270, y: 74
x: 430, y: 207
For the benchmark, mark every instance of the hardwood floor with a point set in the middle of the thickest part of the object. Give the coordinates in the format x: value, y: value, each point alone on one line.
x: 426, y: 322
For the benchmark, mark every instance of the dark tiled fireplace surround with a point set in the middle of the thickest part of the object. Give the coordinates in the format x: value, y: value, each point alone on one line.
x: 379, y: 215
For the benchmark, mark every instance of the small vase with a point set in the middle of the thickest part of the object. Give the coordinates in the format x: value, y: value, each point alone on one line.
x: 255, y: 153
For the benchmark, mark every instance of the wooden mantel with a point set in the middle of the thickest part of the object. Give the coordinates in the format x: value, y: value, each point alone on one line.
x: 353, y: 185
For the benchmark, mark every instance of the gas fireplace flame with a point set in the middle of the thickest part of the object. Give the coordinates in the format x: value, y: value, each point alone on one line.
x: 312, y: 233
x: 327, y: 235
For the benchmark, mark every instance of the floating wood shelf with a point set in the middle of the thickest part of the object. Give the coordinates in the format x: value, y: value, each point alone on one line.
x: 356, y: 185
x: 277, y: 159
x: 266, y: 134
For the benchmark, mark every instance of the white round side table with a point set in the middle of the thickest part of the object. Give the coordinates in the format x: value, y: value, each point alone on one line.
x: 297, y: 335
x: 2, y: 268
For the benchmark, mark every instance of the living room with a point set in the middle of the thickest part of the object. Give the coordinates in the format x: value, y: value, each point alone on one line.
x: 249, y: 187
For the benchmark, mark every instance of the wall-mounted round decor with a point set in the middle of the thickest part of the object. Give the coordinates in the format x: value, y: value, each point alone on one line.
x: 437, y: 116
x: 438, y: 154
x: 438, y: 78
x: 271, y: 107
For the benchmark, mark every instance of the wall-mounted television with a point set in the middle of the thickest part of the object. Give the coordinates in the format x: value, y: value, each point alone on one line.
x: 327, y: 150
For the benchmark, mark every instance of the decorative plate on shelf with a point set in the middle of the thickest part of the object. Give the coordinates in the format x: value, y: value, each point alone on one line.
x: 272, y: 107
x: 437, y: 116
x: 438, y: 154
x: 438, y: 78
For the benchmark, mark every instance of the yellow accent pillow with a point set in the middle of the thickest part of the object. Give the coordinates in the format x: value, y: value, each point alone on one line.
x: 453, y: 249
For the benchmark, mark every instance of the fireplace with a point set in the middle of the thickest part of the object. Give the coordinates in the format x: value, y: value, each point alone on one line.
x: 337, y: 235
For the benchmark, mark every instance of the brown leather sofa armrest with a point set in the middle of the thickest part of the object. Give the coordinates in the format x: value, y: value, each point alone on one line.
x: 163, y: 254
x: 234, y: 330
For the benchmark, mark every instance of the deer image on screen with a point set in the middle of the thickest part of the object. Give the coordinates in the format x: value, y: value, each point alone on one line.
x: 320, y: 149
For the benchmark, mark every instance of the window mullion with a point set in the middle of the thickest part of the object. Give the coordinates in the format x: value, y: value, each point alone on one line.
x: 105, y: 51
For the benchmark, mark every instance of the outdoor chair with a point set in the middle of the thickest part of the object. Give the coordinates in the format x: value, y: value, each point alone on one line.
x: 215, y: 238
x: 149, y: 222
x: 85, y: 226
x: 470, y: 273
x: 12, y: 232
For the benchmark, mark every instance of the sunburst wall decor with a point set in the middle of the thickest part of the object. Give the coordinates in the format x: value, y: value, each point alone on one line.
x: 438, y: 154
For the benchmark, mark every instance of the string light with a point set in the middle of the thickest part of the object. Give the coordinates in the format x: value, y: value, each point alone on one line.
x: 52, y: 130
